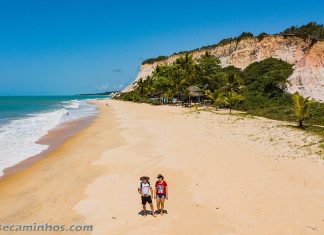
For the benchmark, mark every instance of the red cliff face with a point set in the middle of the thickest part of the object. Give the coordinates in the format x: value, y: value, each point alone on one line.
x: 306, y: 56
x: 308, y: 76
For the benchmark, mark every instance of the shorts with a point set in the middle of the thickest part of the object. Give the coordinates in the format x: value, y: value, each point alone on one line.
x: 160, y: 196
x: 146, y: 199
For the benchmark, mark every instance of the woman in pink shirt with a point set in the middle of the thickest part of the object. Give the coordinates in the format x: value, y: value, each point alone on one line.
x: 161, y: 193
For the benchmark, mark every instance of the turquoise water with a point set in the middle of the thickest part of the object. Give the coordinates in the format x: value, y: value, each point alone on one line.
x: 25, y: 119
x: 13, y: 107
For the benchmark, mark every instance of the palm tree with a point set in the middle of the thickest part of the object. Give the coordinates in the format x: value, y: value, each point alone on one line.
x: 149, y: 88
x: 140, y: 86
x: 215, y: 97
x: 177, y: 76
x: 232, y: 98
x: 302, y: 108
x: 209, y: 74
x: 234, y: 79
x: 169, y: 95
x: 188, y: 67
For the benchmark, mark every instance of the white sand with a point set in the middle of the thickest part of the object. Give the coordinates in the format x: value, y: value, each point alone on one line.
x: 226, y: 175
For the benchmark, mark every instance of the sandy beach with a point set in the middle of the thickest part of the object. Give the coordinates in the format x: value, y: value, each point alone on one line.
x: 227, y: 174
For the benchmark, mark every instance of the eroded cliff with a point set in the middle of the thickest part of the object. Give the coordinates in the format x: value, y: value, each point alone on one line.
x: 306, y: 54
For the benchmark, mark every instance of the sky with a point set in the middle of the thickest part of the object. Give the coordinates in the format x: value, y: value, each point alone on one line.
x: 69, y: 47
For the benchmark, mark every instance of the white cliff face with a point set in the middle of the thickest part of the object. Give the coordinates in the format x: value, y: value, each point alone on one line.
x: 146, y: 70
x: 307, y: 58
x: 308, y: 76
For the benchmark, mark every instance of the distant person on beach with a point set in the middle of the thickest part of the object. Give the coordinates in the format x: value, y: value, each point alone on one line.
x: 160, y: 193
x: 146, y: 192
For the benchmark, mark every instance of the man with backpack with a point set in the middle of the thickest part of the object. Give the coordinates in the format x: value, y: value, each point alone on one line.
x: 146, y: 192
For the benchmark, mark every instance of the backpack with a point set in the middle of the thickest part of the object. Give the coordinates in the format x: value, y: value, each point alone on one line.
x: 143, y: 182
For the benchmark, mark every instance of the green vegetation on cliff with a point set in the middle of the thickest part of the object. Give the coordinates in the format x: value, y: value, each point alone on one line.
x: 220, y: 43
x: 312, y: 29
x: 152, y: 60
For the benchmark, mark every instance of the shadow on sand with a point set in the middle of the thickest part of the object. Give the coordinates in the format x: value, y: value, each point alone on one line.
x: 150, y: 212
x: 158, y: 212
x: 147, y: 212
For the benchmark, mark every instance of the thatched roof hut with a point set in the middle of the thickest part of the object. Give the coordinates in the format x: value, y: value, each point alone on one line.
x: 156, y: 95
x: 195, y: 91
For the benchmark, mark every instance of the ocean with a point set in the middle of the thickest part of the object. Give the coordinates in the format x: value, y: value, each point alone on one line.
x: 25, y: 119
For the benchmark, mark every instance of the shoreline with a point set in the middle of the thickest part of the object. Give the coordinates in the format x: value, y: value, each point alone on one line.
x: 54, y: 139
x: 47, y: 190
x: 227, y: 174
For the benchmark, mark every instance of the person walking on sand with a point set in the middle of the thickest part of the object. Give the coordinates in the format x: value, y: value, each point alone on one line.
x: 160, y: 193
x: 146, y: 192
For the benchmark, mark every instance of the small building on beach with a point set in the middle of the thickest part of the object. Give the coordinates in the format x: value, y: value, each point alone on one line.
x: 195, y: 94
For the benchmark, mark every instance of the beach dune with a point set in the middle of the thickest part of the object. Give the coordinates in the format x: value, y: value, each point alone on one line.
x: 227, y: 174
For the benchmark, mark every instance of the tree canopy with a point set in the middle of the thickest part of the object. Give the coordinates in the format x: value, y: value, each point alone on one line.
x: 268, y: 77
x: 311, y: 29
